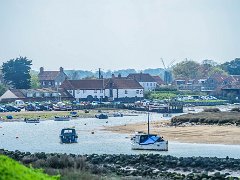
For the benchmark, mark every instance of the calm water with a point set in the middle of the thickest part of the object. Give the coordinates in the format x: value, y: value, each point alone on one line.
x: 45, y: 137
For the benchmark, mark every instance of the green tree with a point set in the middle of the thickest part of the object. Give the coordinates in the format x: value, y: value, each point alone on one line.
x: 3, y: 89
x: 34, y: 80
x: 186, y: 69
x: 232, y: 67
x: 16, y: 72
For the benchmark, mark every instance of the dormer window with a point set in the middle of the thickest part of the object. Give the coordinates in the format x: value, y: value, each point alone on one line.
x: 29, y: 94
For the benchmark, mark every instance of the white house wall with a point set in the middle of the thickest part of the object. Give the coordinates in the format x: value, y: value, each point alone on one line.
x: 130, y: 93
x: 79, y: 94
x: 148, y: 85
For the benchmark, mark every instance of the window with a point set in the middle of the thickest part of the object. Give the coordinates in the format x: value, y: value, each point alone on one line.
x: 29, y: 94
x: 46, y: 94
x: 95, y: 91
x: 78, y: 91
x: 43, y: 83
x: 126, y: 91
x: 56, y: 84
x: 54, y: 94
x: 147, y: 84
x: 141, y: 91
x: 150, y: 84
x: 38, y: 94
x: 137, y: 91
x: 101, y: 91
x: 49, y: 83
x: 83, y: 91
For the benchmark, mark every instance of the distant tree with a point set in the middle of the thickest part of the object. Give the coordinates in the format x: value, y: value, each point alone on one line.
x: 186, y: 69
x: 16, y: 72
x: 89, y: 77
x: 3, y: 89
x: 232, y: 67
x: 34, y: 80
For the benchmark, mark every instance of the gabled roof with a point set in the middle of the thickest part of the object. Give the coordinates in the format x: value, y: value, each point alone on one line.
x: 231, y: 86
x: 22, y: 93
x: 122, y: 83
x: 83, y: 84
x: 48, y: 75
x: 141, y: 77
x: 158, y: 79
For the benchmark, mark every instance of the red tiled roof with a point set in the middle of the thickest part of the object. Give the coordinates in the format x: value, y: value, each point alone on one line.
x: 122, y: 83
x: 83, y: 84
x: 141, y: 77
x: 48, y: 75
x: 158, y: 79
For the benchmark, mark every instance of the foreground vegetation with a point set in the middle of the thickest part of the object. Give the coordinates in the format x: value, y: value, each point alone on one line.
x: 148, y: 166
x: 10, y: 169
x: 209, y: 117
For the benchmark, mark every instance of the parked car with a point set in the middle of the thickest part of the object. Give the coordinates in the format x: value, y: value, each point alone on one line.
x: 31, y: 107
x: 10, y: 108
x: 2, y: 109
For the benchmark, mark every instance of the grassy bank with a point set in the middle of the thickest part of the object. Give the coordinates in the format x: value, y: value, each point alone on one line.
x: 46, y: 115
x: 209, y: 118
x: 10, y: 169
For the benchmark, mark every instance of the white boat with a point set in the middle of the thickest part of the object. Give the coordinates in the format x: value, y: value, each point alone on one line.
x: 61, y: 118
x: 143, y: 141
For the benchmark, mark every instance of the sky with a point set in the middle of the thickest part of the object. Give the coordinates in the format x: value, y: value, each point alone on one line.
x: 118, y: 34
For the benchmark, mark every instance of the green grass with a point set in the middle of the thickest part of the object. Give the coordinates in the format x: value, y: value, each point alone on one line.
x: 10, y: 169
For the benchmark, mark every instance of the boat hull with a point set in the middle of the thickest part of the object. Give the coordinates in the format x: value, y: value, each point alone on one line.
x: 160, y: 146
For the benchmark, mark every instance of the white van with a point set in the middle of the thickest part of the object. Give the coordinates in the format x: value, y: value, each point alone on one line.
x: 19, y: 103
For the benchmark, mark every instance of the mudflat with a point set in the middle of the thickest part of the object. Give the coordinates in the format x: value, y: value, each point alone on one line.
x: 210, y: 134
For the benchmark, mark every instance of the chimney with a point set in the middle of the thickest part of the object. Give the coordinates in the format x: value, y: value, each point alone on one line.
x: 61, y: 69
x: 41, y: 69
x: 119, y: 75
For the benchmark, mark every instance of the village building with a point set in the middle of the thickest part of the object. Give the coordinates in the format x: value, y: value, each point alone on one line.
x: 50, y: 79
x: 31, y: 95
x: 123, y: 89
x: 158, y: 80
x: 113, y: 89
x: 85, y: 90
x: 145, y: 80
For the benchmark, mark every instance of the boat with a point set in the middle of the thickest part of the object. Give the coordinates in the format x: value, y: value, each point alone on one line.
x: 74, y: 114
x: 62, y: 118
x: 147, y: 141
x: 101, y: 116
x: 118, y: 115
x: 29, y: 120
x: 167, y: 115
x: 68, y: 135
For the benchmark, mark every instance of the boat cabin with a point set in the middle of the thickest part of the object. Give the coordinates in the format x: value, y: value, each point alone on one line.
x: 68, y: 135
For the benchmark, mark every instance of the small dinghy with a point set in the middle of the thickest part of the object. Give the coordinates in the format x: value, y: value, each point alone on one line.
x: 62, y: 118
x: 101, y: 116
x: 118, y: 115
x: 31, y: 120
x: 74, y: 114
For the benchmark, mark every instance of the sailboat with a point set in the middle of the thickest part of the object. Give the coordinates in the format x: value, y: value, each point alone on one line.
x: 143, y: 141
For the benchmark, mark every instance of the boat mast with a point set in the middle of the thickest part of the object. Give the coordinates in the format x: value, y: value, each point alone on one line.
x: 148, y: 118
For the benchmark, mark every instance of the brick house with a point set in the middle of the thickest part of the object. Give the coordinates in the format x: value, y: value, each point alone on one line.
x: 50, y: 79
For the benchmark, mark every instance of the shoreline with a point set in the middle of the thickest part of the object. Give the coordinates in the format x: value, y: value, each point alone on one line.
x: 49, y: 115
x: 202, y: 134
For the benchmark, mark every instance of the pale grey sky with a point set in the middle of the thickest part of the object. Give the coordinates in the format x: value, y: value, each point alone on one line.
x: 116, y: 34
